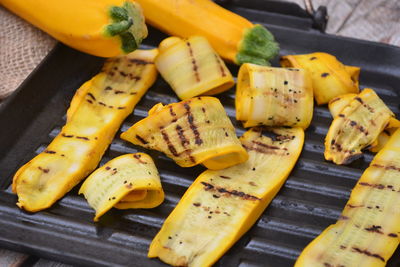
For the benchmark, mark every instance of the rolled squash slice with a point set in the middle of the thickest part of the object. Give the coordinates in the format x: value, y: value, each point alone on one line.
x: 367, y: 232
x: 129, y: 181
x: 273, y: 96
x: 96, y: 112
x: 220, y: 206
x: 330, y: 78
x: 356, y: 127
x: 233, y: 37
x: 105, y: 28
x: 337, y: 104
x: 191, y: 67
x: 190, y: 132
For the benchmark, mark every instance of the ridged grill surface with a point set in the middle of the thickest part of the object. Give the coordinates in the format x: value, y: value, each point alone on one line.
x: 311, y: 199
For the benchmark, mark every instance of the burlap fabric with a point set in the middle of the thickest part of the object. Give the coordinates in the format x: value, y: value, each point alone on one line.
x: 22, y: 47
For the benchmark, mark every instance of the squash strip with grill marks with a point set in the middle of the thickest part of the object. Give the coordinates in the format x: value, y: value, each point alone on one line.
x: 356, y: 127
x: 337, y: 104
x: 191, y: 67
x: 367, y: 232
x: 274, y: 96
x: 221, y: 205
x: 96, y: 112
x: 330, y: 78
x: 191, y: 132
x: 126, y: 182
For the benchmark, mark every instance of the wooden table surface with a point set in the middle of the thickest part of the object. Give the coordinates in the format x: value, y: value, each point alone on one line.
x: 377, y: 20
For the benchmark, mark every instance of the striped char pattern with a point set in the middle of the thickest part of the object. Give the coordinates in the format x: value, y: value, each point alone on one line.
x: 194, y: 63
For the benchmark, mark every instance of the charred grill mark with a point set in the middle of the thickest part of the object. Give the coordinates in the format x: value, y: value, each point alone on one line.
x: 133, y: 93
x: 138, y: 137
x: 370, y: 109
x: 225, y: 177
x: 43, y: 169
x: 358, y: 127
x: 193, y: 127
x: 121, y: 107
x: 390, y: 167
x: 108, y: 167
x: 343, y: 247
x: 133, y: 77
x: 225, y: 192
x: 335, y: 99
x: 221, y: 68
x: 67, y: 135
x: 102, y: 104
x: 123, y: 74
x: 114, y: 171
x: 108, y: 88
x: 313, y: 58
x: 377, y: 186
x: 323, y: 75
x: 328, y: 264
x: 50, y: 151
x: 181, y: 135
x: 195, y: 67
x: 117, y: 92
x: 171, y: 111
x: 368, y: 253
x: 354, y: 206
x: 197, y: 204
x: 393, y: 235
x: 139, y: 61
x: 374, y: 229
x: 341, y: 115
x: 138, y: 157
x: 89, y: 101
x: 83, y: 138
x: 203, y: 109
x: 91, y: 96
x: 169, y: 144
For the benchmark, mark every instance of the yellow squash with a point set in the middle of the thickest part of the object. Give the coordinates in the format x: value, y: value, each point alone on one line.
x: 367, y: 232
x: 126, y: 182
x: 337, y: 104
x: 273, y: 96
x: 220, y: 206
x: 191, y: 67
x: 233, y: 37
x: 96, y: 112
x: 190, y: 132
x: 356, y: 127
x: 105, y: 28
x: 330, y: 78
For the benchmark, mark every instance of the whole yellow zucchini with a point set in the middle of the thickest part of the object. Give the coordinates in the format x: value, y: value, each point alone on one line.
x: 233, y: 37
x: 220, y: 206
x: 105, y: 28
x: 367, y: 232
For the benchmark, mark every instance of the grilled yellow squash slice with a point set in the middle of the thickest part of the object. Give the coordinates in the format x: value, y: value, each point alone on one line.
x: 273, y: 96
x: 356, y: 127
x: 192, y: 67
x: 337, y: 104
x: 330, y: 78
x: 126, y: 182
x: 97, y: 111
x: 367, y: 232
x: 220, y: 206
x: 190, y: 132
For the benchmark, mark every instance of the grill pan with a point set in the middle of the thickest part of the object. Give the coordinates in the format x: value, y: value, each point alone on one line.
x: 311, y: 199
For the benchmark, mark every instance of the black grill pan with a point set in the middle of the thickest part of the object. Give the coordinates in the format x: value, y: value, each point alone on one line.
x: 311, y: 199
